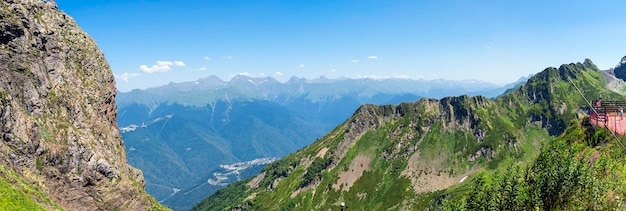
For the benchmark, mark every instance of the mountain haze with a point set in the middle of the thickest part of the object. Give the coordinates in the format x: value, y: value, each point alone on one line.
x: 212, y: 88
x: 61, y: 148
x: 408, y: 156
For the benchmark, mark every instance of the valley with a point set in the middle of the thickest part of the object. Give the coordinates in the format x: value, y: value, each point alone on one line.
x: 234, y: 170
x: 183, y: 132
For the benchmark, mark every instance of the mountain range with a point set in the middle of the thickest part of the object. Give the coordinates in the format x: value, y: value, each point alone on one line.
x: 454, y: 153
x: 179, y: 134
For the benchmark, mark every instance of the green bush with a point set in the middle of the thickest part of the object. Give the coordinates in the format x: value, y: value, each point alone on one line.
x: 570, y: 173
x: 315, y: 169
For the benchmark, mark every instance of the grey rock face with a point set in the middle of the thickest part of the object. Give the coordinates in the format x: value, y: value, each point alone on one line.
x: 58, y: 112
x: 622, y: 62
x: 620, y: 69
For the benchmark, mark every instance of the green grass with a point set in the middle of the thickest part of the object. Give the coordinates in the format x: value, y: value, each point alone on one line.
x: 570, y: 173
x: 17, y: 194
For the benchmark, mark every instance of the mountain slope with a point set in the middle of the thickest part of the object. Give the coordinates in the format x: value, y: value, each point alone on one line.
x: 210, y: 122
x: 193, y: 143
x: 580, y: 170
x: 400, y: 157
x: 60, y: 143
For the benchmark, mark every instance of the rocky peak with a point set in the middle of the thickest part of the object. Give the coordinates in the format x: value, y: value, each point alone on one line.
x: 211, y: 80
x: 455, y: 111
x: 58, y: 114
x: 589, y: 64
x: 295, y: 80
x: 620, y: 69
x: 622, y: 62
x: 540, y: 86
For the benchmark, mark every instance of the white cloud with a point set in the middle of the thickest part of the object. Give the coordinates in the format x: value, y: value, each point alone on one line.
x: 199, y: 69
x: 125, y: 76
x: 278, y: 73
x: 161, y: 66
x: 301, y: 65
x: 380, y: 77
x: 179, y: 63
x: 227, y: 57
x: 354, y: 60
x: 333, y: 70
x: 372, y: 57
x: 207, y: 58
x: 242, y: 73
x: 488, y: 48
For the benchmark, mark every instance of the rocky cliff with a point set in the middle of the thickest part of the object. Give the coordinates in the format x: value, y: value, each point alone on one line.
x: 620, y: 69
x: 58, y: 114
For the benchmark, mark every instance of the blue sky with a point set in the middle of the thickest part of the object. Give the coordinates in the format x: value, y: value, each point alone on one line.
x: 150, y: 43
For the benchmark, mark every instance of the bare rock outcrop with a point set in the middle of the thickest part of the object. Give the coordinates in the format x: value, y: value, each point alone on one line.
x: 620, y: 69
x: 58, y: 114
